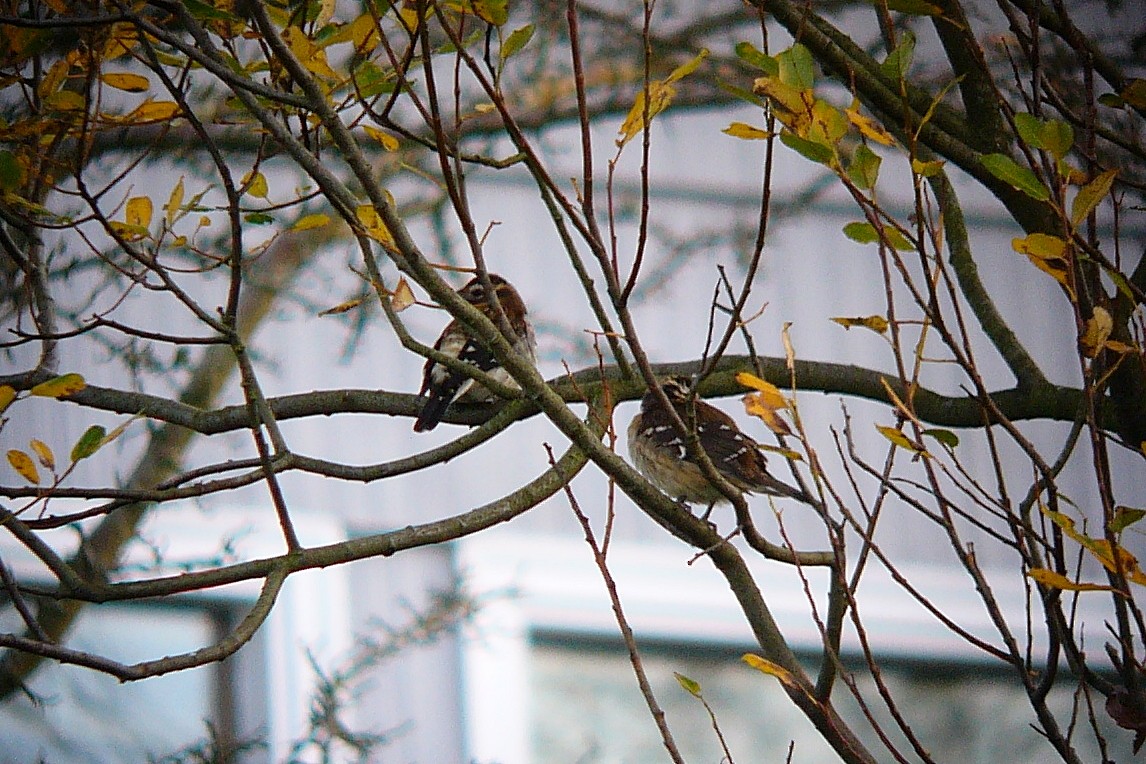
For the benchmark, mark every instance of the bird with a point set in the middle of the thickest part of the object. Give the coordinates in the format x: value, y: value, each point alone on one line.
x: 658, y: 450
x: 442, y: 385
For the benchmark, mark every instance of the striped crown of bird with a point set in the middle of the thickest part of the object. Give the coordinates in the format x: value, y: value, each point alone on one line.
x: 442, y: 385
x: 659, y: 452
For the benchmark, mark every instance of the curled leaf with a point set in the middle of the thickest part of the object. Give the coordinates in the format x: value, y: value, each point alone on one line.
x: 1059, y: 581
x: 342, y: 307
x: 877, y: 324
x: 1098, y: 328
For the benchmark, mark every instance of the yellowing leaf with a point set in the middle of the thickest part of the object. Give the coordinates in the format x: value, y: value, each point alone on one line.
x: 1059, y: 581
x: 138, y: 212
x: 174, y: 202
x: 897, y: 437
x: 1090, y: 196
x: 132, y: 83
x: 868, y: 126
x: 310, y: 55
x: 927, y: 169
x: 690, y: 686
x: 863, y: 170
x: 58, y: 387
x: 877, y: 324
x: 88, y: 443
x: 24, y: 465
x: 494, y: 12
x: 517, y: 40
x: 307, y: 222
x: 389, y: 142
x: 1098, y: 329
x: 7, y: 395
x: 342, y: 307
x: 745, y: 132
x: 659, y: 96
x: 43, y: 453
x: 865, y: 233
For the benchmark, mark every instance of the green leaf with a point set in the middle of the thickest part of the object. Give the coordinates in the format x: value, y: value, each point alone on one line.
x: 517, y: 40
x: 748, y: 53
x: 88, y: 443
x: 58, y: 387
x: 946, y: 437
x: 914, y: 7
x: 864, y: 167
x: 258, y: 218
x: 11, y: 171
x: 797, y: 68
x: 898, y: 62
x: 817, y: 152
x: 865, y: 233
x: 742, y: 94
x: 1090, y: 196
x: 690, y: 686
x: 1030, y: 129
x: 1124, y: 517
x: 1019, y: 178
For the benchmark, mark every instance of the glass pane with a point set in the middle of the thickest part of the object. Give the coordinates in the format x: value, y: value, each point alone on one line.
x: 587, y: 709
x: 85, y: 716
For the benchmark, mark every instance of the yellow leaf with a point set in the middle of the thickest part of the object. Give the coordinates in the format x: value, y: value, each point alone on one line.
x: 307, y: 222
x: 174, y: 202
x: 7, y: 395
x: 138, y: 213
x: 659, y: 96
x: 772, y: 395
x: 1090, y: 196
x: 372, y: 222
x: 868, y: 126
x: 1098, y: 329
x: 402, y: 297
x: 58, y: 387
x: 153, y: 111
x: 308, y: 53
x: 43, y: 453
x: 756, y: 404
x: 132, y: 83
x: 770, y: 668
x: 1047, y: 253
x: 897, y: 437
x: 389, y: 142
x: 1111, y: 558
x: 792, y: 106
x: 1059, y: 581
x: 256, y: 184
x: 24, y: 465
x: 877, y: 324
x: 745, y: 132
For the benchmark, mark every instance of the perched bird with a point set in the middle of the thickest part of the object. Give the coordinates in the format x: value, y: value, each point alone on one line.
x: 441, y: 385
x: 658, y: 450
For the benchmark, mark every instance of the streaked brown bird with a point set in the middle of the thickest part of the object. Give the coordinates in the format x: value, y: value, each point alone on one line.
x: 658, y: 450
x: 441, y: 385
